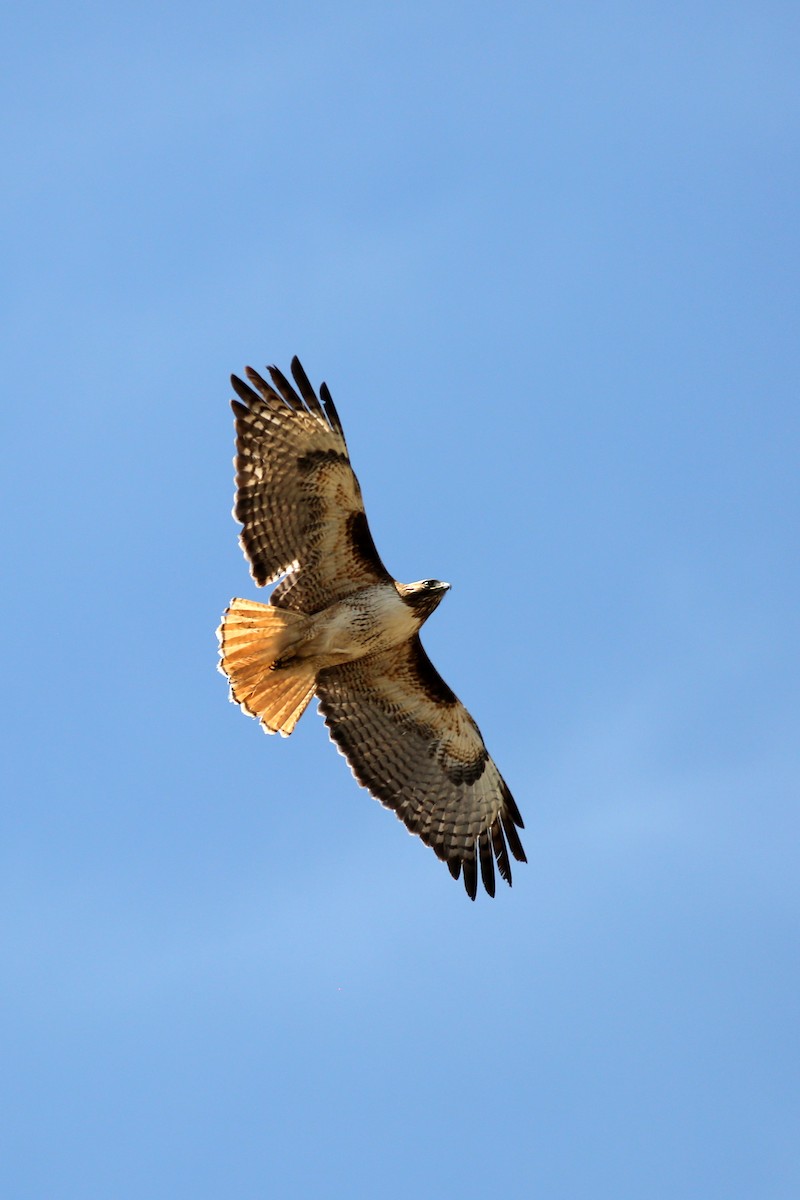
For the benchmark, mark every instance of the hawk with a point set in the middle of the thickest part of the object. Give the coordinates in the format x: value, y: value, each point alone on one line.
x: 338, y: 626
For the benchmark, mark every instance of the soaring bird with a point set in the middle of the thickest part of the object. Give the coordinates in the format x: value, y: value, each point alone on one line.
x: 338, y: 626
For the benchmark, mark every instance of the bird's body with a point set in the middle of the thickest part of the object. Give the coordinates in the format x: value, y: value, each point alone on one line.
x: 339, y: 626
x: 372, y: 619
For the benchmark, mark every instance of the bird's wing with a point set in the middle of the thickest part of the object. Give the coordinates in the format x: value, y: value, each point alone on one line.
x: 412, y: 743
x: 297, y: 496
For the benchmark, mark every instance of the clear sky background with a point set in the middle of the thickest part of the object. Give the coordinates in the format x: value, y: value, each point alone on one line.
x: 545, y: 256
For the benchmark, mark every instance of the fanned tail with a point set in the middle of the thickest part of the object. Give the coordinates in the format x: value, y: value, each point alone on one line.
x: 253, y: 639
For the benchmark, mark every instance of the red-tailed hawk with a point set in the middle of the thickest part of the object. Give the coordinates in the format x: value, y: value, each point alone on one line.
x: 338, y: 626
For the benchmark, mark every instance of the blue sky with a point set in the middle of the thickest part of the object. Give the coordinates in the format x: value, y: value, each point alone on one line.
x: 546, y: 258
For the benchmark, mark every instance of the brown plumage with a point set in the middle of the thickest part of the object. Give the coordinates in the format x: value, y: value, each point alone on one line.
x: 339, y: 626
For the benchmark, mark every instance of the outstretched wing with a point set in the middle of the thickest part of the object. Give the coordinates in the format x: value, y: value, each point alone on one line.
x: 412, y: 743
x: 297, y: 496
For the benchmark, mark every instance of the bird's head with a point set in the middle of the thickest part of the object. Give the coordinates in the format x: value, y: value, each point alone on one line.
x: 424, y: 596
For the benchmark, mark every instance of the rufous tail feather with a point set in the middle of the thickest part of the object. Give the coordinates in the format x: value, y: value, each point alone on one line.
x: 253, y: 638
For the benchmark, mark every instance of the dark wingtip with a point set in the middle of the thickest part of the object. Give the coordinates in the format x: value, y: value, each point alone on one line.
x: 511, y: 821
x: 501, y: 851
x: 285, y: 389
x: 510, y: 805
x: 299, y: 375
x: 330, y: 409
x: 306, y: 390
x: 512, y: 837
x: 260, y: 384
x: 471, y: 876
x: 487, y: 862
x: 242, y: 390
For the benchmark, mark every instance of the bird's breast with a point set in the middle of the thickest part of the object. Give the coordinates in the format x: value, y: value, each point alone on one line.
x: 370, y: 620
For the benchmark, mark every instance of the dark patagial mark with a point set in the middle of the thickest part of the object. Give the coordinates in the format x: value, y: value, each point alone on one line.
x: 428, y: 677
x: 363, y: 546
